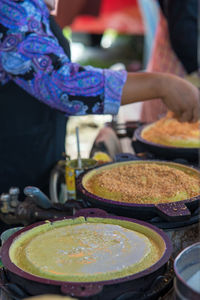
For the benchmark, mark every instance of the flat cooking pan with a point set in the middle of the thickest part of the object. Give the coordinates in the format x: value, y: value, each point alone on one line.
x: 165, y: 152
x: 173, y: 211
x: 106, y: 290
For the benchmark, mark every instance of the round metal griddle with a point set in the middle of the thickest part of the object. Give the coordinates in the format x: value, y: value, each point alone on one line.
x: 35, y: 285
x: 173, y: 211
x: 167, y: 152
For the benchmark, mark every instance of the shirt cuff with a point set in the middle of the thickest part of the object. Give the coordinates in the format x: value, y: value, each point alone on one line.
x: 114, y: 83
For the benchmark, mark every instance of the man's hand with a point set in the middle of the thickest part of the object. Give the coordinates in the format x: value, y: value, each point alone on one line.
x: 182, y: 98
x: 179, y: 96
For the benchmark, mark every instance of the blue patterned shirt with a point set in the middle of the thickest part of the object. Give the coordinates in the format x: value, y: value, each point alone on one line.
x: 31, y: 56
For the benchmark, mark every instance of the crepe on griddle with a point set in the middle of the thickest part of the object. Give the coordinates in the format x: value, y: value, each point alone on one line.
x: 84, y: 250
x: 169, y: 131
x: 143, y: 183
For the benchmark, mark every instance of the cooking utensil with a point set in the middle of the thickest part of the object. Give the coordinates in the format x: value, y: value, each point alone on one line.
x: 173, y: 211
x: 166, y: 152
x: 66, y: 172
x: 187, y: 270
x: 7, y: 233
x: 38, y: 196
x: 78, y: 149
x: 38, y: 285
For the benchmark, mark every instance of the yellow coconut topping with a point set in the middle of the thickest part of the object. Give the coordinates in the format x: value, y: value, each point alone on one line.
x: 169, y: 131
x: 89, y: 251
x: 144, y: 183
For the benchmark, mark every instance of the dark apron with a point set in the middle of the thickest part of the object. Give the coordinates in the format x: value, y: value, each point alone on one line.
x: 32, y: 135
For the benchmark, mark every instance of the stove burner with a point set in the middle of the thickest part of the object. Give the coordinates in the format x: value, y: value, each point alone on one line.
x: 158, y: 289
x: 159, y: 222
x: 141, y: 153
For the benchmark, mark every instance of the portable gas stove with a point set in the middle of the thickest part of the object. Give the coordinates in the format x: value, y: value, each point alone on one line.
x: 161, y: 289
x: 141, y: 153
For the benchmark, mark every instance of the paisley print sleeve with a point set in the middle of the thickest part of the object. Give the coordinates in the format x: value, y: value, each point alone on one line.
x: 31, y: 56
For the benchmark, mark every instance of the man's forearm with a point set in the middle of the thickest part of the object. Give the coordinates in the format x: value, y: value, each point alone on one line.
x: 141, y: 87
x: 177, y: 94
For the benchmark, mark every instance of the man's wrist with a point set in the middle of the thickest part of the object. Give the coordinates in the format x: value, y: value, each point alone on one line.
x: 160, y: 84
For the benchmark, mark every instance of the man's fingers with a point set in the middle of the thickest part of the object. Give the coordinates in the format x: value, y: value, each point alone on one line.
x: 196, y: 110
x: 187, y: 116
x: 177, y: 114
x: 196, y: 114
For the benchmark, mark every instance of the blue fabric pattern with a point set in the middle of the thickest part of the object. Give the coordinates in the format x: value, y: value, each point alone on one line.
x: 30, y: 56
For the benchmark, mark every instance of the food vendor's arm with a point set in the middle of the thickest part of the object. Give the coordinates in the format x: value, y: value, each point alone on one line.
x: 31, y: 56
x: 180, y: 96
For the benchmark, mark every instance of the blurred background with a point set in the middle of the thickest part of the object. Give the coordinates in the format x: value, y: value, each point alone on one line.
x: 107, y: 34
